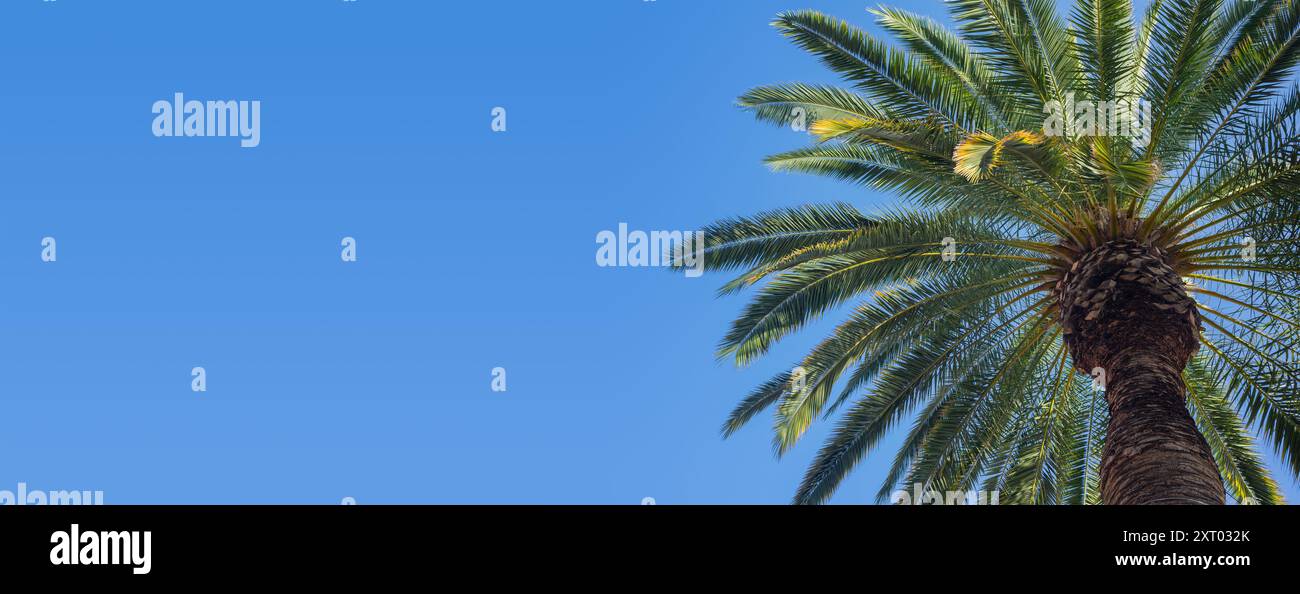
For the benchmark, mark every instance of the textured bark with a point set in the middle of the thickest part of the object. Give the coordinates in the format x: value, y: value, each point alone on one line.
x: 1154, y: 454
x: 1127, y: 320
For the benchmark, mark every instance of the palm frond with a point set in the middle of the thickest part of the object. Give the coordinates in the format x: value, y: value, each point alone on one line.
x: 956, y: 308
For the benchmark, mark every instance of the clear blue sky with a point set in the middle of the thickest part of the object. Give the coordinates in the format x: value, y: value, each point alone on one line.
x: 475, y: 250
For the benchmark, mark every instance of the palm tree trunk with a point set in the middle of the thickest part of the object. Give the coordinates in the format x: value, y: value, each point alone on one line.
x: 1126, y: 314
x: 1154, y: 454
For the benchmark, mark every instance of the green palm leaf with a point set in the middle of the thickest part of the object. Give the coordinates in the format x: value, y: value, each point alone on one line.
x: 962, y: 312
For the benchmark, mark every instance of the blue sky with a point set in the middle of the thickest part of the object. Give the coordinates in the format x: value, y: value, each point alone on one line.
x: 371, y: 379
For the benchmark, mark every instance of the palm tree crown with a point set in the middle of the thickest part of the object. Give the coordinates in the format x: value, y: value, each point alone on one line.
x: 1091, y: 293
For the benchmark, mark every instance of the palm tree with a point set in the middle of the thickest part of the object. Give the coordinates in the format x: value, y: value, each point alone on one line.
x: 1068, y: 310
